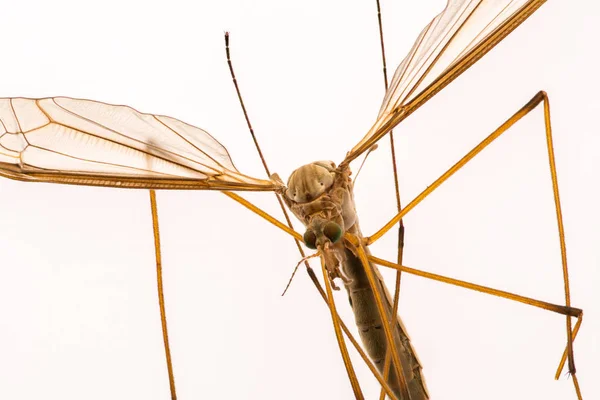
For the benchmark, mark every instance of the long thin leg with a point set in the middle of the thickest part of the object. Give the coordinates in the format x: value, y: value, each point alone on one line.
x: 372, y: 307
x: 358, y: 348
x: 559, y: 309
x: 400, y: 251
x: 385, y: 320
x: 161, y: 296
x: 568, y: 311
x: 264, y: 215
x: 533, y: 103
x: 564, y: 358
x: 396, y: 301
x: 461, y: 163
x: 338, y: 334
x: 561, y: 229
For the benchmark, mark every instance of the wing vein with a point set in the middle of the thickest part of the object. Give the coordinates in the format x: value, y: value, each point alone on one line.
x: 448, y: 42
x: 95, y: 162
x: 187, y: 141
x: 12, y: 108
x: 123, y: 145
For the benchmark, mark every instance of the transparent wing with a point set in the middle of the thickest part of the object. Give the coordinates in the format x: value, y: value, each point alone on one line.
x: 455, y: 39
x: 84, y: 142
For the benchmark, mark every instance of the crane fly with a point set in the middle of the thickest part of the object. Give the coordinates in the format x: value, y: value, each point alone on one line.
x: 83, y: 142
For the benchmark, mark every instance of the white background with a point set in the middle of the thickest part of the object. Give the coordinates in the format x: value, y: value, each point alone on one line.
x: 79, y: 316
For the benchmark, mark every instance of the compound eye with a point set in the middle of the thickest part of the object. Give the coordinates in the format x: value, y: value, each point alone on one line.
x: 332, y: 231
x: 310, y: 239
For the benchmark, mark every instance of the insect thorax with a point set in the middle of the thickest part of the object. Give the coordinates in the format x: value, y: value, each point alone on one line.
x: 318, y: 193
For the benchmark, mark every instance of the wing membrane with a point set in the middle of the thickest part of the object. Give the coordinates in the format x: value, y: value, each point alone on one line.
x: 455, y: 39
x: 84, y: 142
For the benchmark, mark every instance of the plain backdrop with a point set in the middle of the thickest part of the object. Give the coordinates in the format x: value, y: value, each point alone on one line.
x: 78, y: 303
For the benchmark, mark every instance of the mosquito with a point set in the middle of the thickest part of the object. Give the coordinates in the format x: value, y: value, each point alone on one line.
x: 82, y: 142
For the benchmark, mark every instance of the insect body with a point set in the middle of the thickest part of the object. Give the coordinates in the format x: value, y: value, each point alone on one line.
x: 321, y: 196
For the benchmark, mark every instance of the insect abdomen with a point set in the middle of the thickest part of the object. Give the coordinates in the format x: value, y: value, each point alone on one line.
x: 372, y: 334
